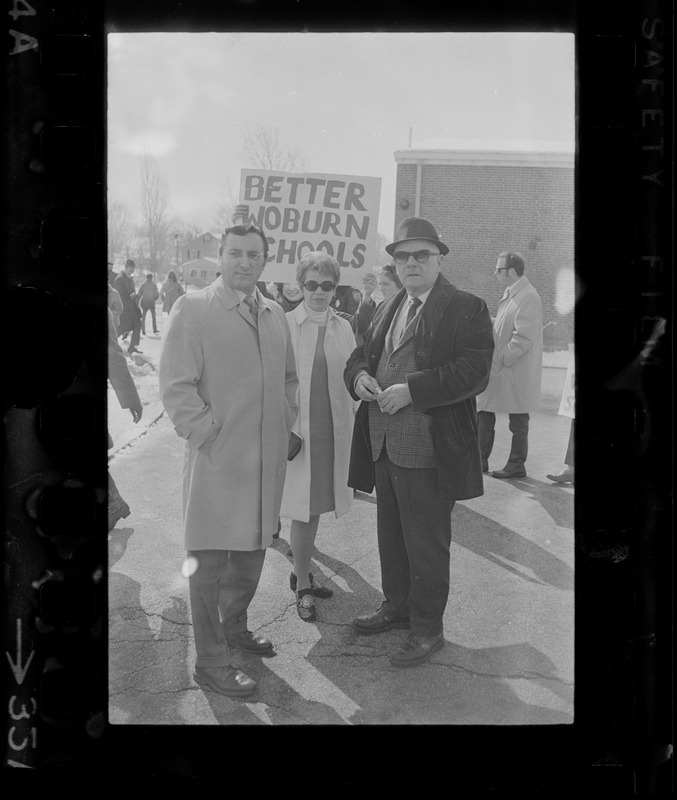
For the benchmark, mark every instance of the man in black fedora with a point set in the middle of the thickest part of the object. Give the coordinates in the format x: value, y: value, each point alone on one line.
x: 424, y: 359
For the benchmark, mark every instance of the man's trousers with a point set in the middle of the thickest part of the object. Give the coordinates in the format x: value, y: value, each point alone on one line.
x: 414, y: 536
x: 221, y: 585
x: 519, y: 427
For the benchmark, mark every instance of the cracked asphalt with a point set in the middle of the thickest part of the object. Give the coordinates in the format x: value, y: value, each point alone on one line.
x: 508, y: 657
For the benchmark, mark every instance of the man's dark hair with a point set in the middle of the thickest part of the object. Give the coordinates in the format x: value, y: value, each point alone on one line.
x: 243, y: 230
x: 514, y: 261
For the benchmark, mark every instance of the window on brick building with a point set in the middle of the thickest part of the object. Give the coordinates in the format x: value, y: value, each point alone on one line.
x: 203, y: 273
x: 193, y: 273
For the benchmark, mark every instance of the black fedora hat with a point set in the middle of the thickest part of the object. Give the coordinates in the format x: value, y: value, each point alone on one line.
x: 416, y: 228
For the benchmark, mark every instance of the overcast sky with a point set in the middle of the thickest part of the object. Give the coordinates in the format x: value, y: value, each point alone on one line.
x: 345, y: 101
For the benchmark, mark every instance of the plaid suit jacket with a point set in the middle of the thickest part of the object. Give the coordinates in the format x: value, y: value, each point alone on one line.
x: 453, y: 345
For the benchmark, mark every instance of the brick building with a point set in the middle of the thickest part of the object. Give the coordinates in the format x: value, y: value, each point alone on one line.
x: 488, y: 196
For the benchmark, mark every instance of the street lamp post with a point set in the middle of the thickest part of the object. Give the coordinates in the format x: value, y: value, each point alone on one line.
x: 176, y: 240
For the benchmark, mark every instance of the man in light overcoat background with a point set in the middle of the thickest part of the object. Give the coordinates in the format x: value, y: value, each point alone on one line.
x: 515, y: 384
x: 228, y: 382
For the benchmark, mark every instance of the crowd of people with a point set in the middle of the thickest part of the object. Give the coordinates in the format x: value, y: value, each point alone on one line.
x: 381, y: 396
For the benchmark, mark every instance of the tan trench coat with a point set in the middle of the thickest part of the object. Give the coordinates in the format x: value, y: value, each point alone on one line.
x: 339, y: 343
x: 234, y: 401
x: 515, y: 382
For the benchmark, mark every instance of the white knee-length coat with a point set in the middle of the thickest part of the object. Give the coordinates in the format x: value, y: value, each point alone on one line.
x: 339, y: 343
x: 230, y: 391
x: 515, y: 381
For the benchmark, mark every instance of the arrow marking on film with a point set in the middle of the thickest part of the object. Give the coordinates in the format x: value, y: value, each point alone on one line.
x: 17, y: 667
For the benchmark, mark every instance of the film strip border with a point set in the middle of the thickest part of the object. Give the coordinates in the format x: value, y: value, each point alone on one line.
x: 623, y: 405
x: 54, y: 617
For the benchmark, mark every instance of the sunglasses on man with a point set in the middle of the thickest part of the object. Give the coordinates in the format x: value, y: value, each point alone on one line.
x: 401, y: 257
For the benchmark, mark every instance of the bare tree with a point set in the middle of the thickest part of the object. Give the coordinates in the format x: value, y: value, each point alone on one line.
x: 226, y: 202
x: 120, y: 228
x: 154, y: 209
x: 264, y: 150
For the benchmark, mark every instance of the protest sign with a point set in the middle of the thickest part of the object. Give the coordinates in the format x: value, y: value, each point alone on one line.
x: 302, y: 212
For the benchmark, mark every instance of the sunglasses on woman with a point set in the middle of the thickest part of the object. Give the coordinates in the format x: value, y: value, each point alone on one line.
x: 326, y: 286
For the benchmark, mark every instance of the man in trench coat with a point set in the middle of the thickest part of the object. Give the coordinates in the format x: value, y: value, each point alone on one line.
x: 515, y: 383
x: 424, y: 359
x: 228, y: 382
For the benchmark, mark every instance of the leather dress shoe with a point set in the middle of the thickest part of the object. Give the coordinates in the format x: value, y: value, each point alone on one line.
x: 316, y: 589
x: 228, y: 681
x: 249, y: 642
x: 416, y: 650
x: 134, y: 350
x: 509, y: 473
x: 565, y: 476
x: 379, y: 622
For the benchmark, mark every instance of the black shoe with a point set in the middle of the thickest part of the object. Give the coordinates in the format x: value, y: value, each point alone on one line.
x: 416, y: 650
x: 305, y: 605
x: 134, y: 350
x: 318, y: 591
x: 225, y: 680
x: 249, y: 642
x: 379, y: 622
x: 520, y: 472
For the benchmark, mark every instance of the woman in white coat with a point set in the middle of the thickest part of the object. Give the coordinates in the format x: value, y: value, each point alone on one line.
x: 317, y: 478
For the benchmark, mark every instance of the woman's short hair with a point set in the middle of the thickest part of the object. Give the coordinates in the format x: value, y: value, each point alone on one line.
x: 171, y: 275
x: 321, y: 261
x: 390, y: 271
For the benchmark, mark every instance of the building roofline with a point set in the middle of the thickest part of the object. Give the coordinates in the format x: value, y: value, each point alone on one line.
x: 502, y: 153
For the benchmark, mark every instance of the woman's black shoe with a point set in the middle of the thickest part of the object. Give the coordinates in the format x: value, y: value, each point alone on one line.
x: 305, y: 605
x: 318, y: 591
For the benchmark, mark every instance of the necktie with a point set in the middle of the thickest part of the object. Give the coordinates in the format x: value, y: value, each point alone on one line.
x: 253, y: 307
x: 415, y: 303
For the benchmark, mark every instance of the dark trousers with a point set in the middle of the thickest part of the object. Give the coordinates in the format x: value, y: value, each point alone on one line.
x: 131, y: 323
x: 414, y: 535
x: 221, y: 588
x: 146, y: 309
x: 519, y: 427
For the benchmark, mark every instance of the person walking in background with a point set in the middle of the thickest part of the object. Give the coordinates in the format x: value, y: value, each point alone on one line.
x: 515, y: 384
x: 114, y: 300
x: 123, y: 385
x: 424, y: 359
x: 170, y: 292
x: 317, y: 478
x: 130, y: 318
x: 228, y: 383
x: 148, y: 295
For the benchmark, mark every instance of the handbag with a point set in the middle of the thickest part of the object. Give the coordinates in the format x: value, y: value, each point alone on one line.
x: 295, y: 442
